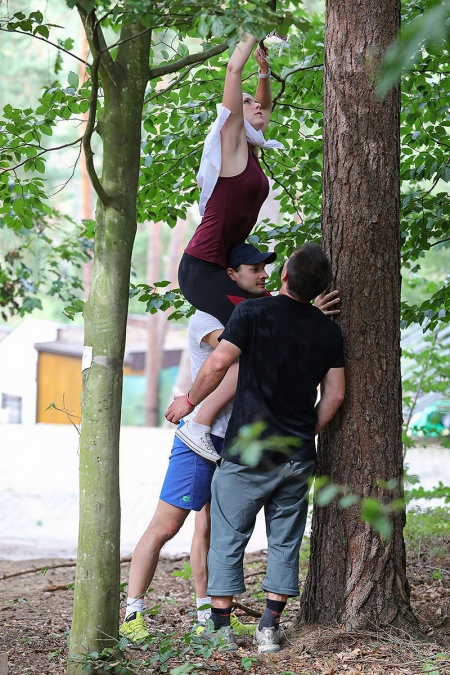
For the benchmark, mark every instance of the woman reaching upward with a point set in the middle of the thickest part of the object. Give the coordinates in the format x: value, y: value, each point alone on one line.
x: 234, y: 188
x: 233, y: 184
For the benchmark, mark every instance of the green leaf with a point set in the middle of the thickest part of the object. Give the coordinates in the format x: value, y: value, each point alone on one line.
x: 42, y: 30
x: 348, y: 500
x: 73, y: 79
x: 327, y: 494
x: 76, y: 307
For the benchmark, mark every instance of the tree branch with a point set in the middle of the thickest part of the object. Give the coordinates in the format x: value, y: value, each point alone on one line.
x: 70, y: 177
x: 90, y: 126
x: 175, y: 163
x: 96, y: 40
x: 95, y: 35
x: 173, y: 84
x: 283, y: 80
x: 283, y: 187
x: 39, y: 154
x: 131, y: 37
x: 190, y: 59
x: 49, y: 42
x: 441, y: 241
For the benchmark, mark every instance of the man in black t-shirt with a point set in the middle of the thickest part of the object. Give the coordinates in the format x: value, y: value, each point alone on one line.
x: 286, y: 349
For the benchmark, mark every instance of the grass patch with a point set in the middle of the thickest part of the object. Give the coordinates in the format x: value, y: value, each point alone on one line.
x: 426, y: 526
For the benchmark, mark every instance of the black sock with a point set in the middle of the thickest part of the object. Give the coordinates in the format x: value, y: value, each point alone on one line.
x: 220, y: 617
x: 272, y: 613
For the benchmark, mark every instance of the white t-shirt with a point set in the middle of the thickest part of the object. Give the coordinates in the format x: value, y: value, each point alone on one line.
x: 202, y: 324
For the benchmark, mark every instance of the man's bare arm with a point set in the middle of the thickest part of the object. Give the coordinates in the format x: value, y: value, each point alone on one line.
x: 208, y: 379
x: 212, y: 339
x: 332, y: 392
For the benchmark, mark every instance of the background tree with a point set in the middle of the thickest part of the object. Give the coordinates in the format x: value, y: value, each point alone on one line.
x: 362, y: 448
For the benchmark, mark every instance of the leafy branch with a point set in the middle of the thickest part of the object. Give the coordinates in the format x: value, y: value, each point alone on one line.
x: 39, y: 154
x: 188, y: 60
x: 172, y: 85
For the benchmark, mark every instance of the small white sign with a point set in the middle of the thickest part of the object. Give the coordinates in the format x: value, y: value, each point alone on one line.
x: 86, y: 360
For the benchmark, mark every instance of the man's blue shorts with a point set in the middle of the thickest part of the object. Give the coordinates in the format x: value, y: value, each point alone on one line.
x: 188, y: 478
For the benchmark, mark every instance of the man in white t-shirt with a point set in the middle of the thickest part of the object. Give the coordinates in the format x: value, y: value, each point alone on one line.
x: 187, y: 485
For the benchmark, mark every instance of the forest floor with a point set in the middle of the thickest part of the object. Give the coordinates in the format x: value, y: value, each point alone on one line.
x: 36, y: 608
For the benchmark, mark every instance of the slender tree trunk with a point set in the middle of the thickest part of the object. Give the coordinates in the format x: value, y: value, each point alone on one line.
x: 176, y: 247
x: 157, y: 323
x: 96, y: 600
x: 153, y: 356
x: 354, y: 577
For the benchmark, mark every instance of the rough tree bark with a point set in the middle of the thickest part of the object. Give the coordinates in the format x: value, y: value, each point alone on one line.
x: 355, y: 578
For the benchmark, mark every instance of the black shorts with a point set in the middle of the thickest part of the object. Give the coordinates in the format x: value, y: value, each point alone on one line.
x: 208, y: 287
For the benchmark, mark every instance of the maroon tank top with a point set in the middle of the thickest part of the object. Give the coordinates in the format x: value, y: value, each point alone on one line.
x: 230, y: 214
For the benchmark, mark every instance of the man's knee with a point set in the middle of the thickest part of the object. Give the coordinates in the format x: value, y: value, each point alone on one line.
x: 165, y: 524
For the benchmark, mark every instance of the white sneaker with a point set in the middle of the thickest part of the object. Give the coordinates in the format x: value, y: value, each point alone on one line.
x: 267, y: 639
x: 226, y: 639
x: 200, y: 444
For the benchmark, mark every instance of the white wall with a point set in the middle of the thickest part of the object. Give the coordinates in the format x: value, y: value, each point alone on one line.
x: 18, y: 363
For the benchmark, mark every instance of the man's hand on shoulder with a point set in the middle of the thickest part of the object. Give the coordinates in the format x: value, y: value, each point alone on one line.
x: 326, y: 302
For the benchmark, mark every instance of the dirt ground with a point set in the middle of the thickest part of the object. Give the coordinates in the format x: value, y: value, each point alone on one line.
x: 36, y: 607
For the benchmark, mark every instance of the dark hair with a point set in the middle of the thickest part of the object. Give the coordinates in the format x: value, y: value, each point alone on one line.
x: 309, y: 272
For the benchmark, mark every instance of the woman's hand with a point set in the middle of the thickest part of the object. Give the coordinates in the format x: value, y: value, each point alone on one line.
x: 261, y: 53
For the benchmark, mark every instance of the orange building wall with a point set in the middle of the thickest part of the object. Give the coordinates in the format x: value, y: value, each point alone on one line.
x: 58, y: 382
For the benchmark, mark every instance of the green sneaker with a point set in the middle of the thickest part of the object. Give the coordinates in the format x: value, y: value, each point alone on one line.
x: 134, y: 629
x: 242, y: 628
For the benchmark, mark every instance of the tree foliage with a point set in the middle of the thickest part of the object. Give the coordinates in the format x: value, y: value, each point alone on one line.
x: 179, y: 108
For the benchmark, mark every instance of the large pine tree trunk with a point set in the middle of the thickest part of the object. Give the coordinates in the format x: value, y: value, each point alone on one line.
x: 96, y: 600
x: 355, y: 578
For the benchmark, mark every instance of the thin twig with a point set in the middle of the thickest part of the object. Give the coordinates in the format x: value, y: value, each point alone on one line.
x: 66, y: 182
x: 39, y: 154
x: 247, y: 610
x: 49, y: 42
x: 173, y: 84
x: 47, y: 568
x: 254, y: 574
x: 283, y: 187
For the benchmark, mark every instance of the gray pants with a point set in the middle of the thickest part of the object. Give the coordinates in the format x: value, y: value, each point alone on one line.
x: 238, y: 494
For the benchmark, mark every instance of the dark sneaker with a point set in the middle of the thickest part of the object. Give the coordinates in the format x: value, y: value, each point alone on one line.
x: 267, y: 639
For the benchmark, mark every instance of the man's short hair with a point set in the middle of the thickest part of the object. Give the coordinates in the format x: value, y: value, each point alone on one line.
x: 309, y: 272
